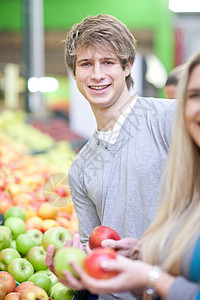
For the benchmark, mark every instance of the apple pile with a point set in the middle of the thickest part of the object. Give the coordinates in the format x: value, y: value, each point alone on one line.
x: 22, y: 260
x: 22, y: 181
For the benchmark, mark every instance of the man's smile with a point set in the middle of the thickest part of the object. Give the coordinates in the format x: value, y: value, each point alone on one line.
x: 98, y: 87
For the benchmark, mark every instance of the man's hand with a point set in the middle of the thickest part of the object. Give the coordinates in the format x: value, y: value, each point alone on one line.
x: 123, y: 246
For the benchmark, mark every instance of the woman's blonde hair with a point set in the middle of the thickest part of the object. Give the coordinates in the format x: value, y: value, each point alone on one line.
x: 178, y: 218
x: 98, y: 31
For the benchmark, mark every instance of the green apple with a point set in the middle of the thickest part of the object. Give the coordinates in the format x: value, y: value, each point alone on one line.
x: 24, y: 243
x: 15, y: 211
x: 16, y: 225
x: 35, y: 234
x: 6, y: 256
x: 20, y: 269
x: 42, y: 281
x: 5, y: 237
x: 13, y: 244
x: 51, y: 275
x: 64, y: 256
x: 36, y: 256
x: 56, y: 236
x: 60, y: 291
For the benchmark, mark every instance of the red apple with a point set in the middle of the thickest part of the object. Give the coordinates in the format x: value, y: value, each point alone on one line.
x: 101, y: 233
x: 8, y: 281
x: 33, y: 293
x: 47, y: 211
x: 92, y: 263
x: 6, y: 201
x: 12, y: 296
x: 5, y: 204
x: 34, y: 222
x: 49, y: 223
x: 23, y: 286
x: 2, y: 290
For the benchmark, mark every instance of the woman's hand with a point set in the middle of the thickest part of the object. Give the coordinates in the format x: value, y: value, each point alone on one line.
x: 122, y: 247
x: 132, y: 277
x: 75, y: 242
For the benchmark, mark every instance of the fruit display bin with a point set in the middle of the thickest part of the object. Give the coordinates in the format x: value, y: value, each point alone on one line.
x: 34, y: 199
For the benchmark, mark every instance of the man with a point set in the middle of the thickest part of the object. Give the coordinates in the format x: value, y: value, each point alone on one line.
x: 171, y: 84
x: 115, y: 178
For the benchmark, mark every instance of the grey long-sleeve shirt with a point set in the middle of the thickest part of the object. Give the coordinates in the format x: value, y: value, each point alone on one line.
x: 117, y: 184
x: 187, y: 286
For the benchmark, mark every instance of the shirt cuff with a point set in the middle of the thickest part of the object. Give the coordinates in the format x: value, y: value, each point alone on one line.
x: 183, y: 289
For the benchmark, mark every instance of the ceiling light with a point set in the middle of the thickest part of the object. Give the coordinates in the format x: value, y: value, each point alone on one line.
x: 184, y: 5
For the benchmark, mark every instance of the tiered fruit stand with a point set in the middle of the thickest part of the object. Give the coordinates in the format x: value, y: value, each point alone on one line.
x: 33, y: 180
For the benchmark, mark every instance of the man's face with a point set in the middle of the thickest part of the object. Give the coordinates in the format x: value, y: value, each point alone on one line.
x: 170, y: 91
x: 100, y: 77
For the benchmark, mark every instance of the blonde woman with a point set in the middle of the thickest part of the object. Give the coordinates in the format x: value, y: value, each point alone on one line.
x: 169, y: 252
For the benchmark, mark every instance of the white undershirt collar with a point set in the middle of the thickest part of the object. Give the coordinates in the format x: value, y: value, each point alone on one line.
x: 111, y: 135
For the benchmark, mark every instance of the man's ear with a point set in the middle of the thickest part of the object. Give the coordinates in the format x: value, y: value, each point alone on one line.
x: 73, y: 75
x: 128, y: 68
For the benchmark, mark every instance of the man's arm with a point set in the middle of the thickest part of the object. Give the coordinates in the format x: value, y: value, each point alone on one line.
x: 85, y: 210
x: 169, y: 120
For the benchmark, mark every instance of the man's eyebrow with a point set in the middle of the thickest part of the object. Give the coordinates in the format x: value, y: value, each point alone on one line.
x: 84, y: 59
x: 104, y: 58
x: 109, y: 58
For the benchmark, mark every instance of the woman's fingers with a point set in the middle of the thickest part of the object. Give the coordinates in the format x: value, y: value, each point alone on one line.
x: 76, y: 241
x: 71, y: 281
x: 87, y: 249
x: 50, y: 257
x: 69, y: 243
x: 118, y: 264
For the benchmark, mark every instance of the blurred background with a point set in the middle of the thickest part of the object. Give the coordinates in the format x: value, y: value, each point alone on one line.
x: 44, y: 120
x: 33, y: 76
